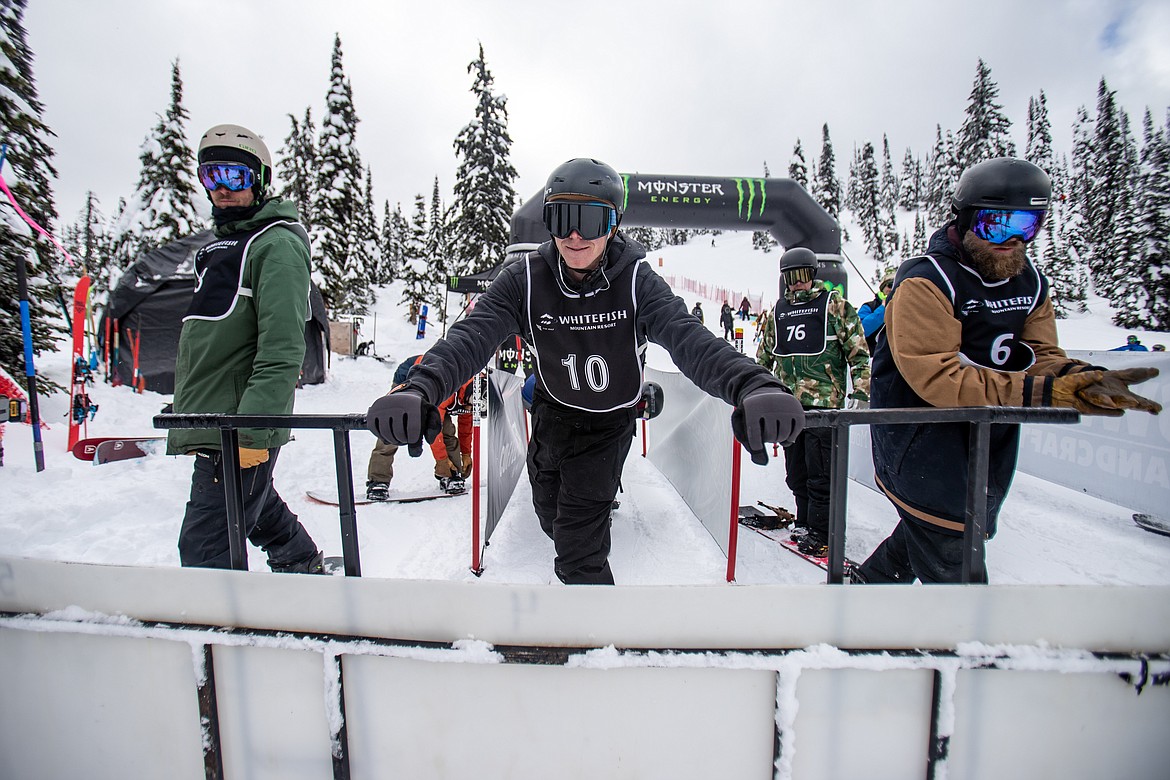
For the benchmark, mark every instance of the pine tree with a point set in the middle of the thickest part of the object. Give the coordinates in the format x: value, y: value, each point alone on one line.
x: 942, y: 174
x: 394, y: 231
x: 1127, y: 270
x: 417, y: 285
x: 1039, y: 144
x: 826, y: 184
x: 438, y: 247
x: 1077, y: 206
x: 89, y: 244
x: 364, y: 255
x: 1154, y: 223
x: 986, y: 131
x: 869, y: 215
x: 910, y: 183
x: 28, y: 170
x: 163, y: 207
x: 797, y: 167
x: 1108, y: 183
x: 296, y: 162
x: 337, y: 197
x: 890, y: 192
x: 484, y: 191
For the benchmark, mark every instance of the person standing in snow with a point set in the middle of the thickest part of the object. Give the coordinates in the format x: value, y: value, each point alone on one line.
x: 1132, y: 344
x: 814, y: 344
x: 727, y: 320
x: 698, y: 311
x: 240, y: 352
x: 745, y: 309
x: 587, y: 303
x: 873, y: 313
x: 971, y: 323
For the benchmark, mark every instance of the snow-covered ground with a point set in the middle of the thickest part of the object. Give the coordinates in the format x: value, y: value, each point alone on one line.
x: 130, y: 512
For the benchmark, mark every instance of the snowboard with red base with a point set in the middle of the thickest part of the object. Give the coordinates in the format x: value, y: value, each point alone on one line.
x: 81, y: 408
x: 86, y: 449
x: 775, y: 526
x: 404, y: 497
x: 126, y: 449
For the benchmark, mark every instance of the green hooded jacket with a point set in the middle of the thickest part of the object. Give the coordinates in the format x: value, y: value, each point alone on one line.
x: 249, y: 361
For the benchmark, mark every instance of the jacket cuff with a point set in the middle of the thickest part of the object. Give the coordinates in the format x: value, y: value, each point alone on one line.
x: 1038, y: 390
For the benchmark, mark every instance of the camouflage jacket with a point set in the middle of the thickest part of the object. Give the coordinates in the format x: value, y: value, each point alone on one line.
x: 819, y: 380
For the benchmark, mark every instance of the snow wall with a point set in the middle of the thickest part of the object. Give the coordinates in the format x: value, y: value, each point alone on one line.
x: 104, y: 666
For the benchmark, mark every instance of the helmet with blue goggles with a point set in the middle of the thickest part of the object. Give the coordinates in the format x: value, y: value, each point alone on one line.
x: 590, y: 219
x: 233, y: 176
x: 1000, y: 225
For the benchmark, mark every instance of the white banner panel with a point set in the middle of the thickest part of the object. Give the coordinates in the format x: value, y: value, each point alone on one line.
x: 1125, y: 460
x: 691, y: 444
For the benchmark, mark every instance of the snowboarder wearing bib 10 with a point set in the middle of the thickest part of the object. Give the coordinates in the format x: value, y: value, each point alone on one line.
x: 971, y: 324
x: 587, y: 303
x: 240, y: 352
x: 813, y: 342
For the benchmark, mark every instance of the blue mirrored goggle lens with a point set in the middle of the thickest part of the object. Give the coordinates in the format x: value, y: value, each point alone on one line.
x: 590, y: 220
x: 1000, y: 225
x: 233, y: 177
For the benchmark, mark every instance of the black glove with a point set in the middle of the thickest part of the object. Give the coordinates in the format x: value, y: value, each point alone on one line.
x: 404, y: 417
x: 767, y: 414
x: 650, y: 405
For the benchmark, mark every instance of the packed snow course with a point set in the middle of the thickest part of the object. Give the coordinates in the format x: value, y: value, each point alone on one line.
x: 129, y: 512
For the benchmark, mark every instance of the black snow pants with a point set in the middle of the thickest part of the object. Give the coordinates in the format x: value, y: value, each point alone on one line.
x: 807, y: 464
x: 575, y: 461
x: 271, y: 525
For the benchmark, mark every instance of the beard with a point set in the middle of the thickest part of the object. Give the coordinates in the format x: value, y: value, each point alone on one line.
x: 992, y: 265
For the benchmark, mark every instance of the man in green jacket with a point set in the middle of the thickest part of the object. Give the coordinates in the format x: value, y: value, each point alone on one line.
x: 240, y: 352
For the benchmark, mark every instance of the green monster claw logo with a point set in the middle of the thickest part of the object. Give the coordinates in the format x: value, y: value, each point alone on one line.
x: 625, y: 191
x: 751, y: 196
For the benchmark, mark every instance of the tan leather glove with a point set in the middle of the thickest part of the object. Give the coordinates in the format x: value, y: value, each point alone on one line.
x: 445, y: 468
x: 466, y: 472
x: 1113, y: 392
x: 250, y: 458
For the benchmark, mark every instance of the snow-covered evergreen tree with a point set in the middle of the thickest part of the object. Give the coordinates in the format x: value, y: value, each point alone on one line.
x: 942, y: 174
x: 393, y: 243
x: 910, y: 182
x: 364, y: 254
x: 1107, y: 194
x: 826, y: 183
x: 1039, y: 144
x: 29, y: 173
x: 418, y: 286
x: 1076, y: 209
x: 88, y: 242
x: 166, y: 204
x: 868, y: 211
x: 986, y: 131
x: 484, y: 191
x: 296, y: 163
x: 1154, y: 223
x: 1126, y: 271
x: 337, y: 198
x: 797, y: 166
x: 890, y: 192
x: 437, y: 247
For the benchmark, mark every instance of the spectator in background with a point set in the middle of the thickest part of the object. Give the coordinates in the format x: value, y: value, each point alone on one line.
x: 745, y: 309
x: 873, y: 313
x: 727, y: 320
x: 698, y: 311
x: 813, y: 344
x: 1132, y: 344
x: 1159, y: 347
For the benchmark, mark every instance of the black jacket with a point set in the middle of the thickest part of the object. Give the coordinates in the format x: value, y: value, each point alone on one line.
x: 662, y: 317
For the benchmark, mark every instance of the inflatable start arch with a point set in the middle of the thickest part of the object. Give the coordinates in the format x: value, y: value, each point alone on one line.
x: 781, y: 207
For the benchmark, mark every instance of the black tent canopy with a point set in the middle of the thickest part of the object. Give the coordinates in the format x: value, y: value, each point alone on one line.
x: 148, y: 304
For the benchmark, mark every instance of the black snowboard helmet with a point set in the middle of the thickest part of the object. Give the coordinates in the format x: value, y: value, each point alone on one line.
x: 798, y: 265
x: 1000, y: 183
x: 590, y: 178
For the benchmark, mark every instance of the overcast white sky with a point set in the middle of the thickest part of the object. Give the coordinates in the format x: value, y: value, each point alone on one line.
x: 657, y: 86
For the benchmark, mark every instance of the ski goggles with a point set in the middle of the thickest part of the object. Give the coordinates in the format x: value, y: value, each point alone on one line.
x: 590, y: 219
x: 233, y: 176
x: 1000, y: 225
x: 798, y: 275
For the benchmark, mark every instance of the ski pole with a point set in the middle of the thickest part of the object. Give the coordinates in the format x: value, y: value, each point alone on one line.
x: 26, y: 332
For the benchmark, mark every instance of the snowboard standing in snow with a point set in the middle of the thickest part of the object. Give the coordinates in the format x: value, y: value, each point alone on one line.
x: 405, y: 497
x: 81, y: 408
x: 775, y: 527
